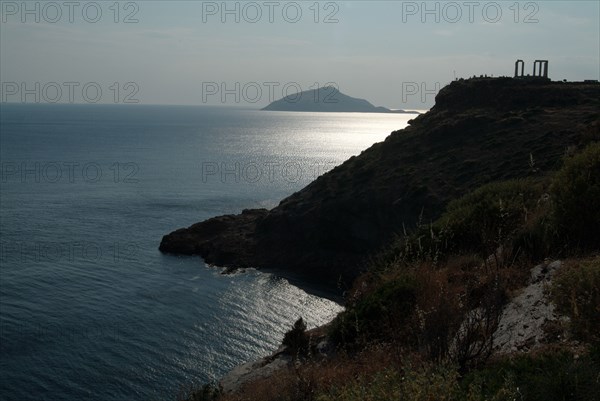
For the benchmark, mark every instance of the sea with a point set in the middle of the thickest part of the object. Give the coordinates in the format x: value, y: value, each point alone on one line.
x: 89, y: 308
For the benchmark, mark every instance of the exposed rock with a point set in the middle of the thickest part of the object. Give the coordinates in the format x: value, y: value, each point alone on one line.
x: 224, y: 240
x: 325, y: 347
x: 251, y: 371
x: 521, y: 325
x: 282, y: 358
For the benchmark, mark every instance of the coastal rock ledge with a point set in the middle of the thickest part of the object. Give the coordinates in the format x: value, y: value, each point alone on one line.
x: 223, y: 240
x: 480, y: 130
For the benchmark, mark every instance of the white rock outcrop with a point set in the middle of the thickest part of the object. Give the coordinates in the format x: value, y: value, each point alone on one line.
x: 251, y: 371
x: 521, y: 324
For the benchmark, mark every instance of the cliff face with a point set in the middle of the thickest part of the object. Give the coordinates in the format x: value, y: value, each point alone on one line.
x: 480, y: 130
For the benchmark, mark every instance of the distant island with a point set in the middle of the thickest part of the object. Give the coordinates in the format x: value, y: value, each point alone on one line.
x: 328, y: 99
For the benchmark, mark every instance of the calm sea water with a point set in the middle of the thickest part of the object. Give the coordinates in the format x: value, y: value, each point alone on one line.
x: 89, y: 308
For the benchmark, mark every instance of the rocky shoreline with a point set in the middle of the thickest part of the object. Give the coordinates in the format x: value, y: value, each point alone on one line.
x: 224, y: 240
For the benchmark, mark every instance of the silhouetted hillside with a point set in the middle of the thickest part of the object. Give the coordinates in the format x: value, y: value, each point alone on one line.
x: 480, y: 130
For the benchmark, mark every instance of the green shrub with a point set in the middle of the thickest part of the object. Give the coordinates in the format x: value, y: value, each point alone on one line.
x: 553, y: 375
x: 576, y: 193
x: 493, y: 216
x: 537, y: 239
x: 430, y: 382
x: 378, y: 315
x: 487, y: 218
x: 434, y: 381
x: 516, y: 214
x: 576, y: 293
x: 438, y: 381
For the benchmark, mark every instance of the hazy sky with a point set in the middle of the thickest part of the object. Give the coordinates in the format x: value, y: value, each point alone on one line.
x: 249, y: 53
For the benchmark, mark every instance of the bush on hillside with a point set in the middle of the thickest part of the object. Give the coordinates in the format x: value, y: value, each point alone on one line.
x: 576, y: 195
x: 549, y: 375
x: 576, y: 293
x: 490, y: 218
x: 296, y: 339
x: 379, y: 315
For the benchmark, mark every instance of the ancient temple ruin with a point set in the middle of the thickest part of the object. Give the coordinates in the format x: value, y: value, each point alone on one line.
x: 540, y: 70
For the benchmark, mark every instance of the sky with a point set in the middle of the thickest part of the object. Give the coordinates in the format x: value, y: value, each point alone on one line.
x: 396, y: 54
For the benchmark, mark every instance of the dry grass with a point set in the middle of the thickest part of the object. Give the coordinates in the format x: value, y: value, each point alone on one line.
x: 453, y: 316
x: 306, y: 381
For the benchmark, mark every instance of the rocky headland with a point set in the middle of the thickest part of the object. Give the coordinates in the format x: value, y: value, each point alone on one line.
x: 479, y: 131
